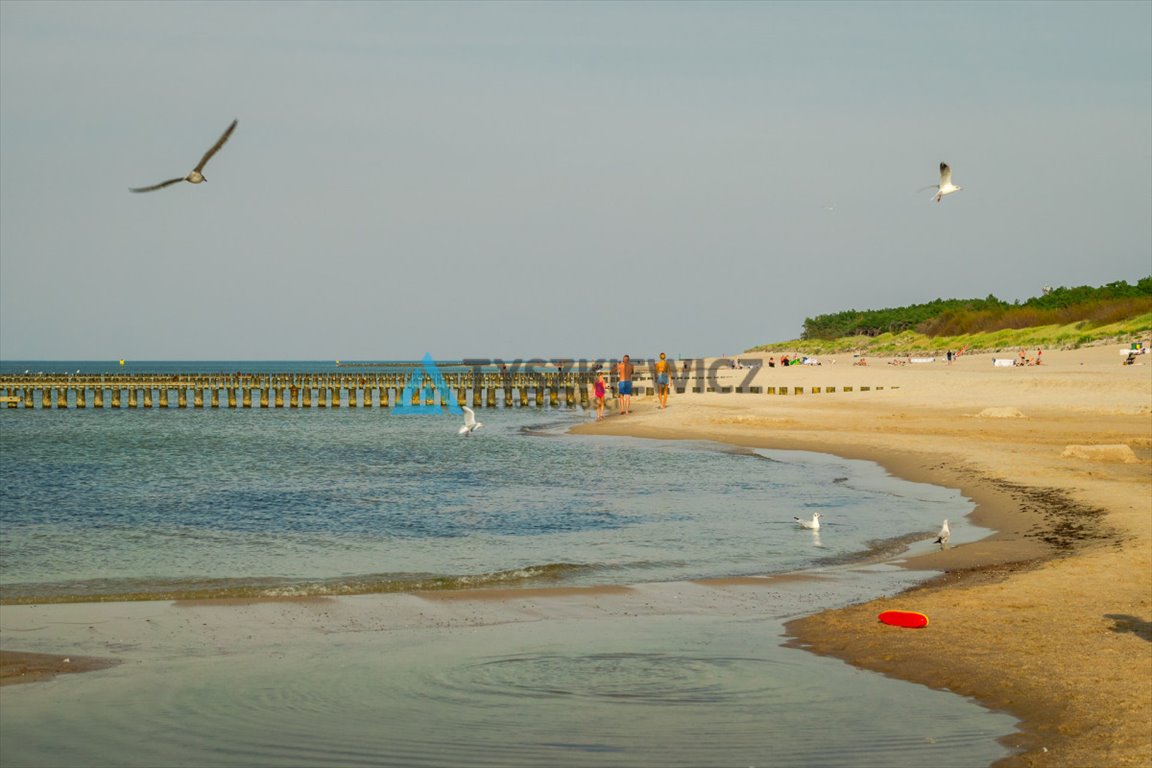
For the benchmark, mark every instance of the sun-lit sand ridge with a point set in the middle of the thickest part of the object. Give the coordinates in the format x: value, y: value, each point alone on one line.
x: 1051, y: 618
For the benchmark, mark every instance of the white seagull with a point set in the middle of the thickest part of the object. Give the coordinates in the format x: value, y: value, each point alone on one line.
x: 470, y: 423
x: 197, y: 175
x: 812, y: 525
x: 944, y: 535
x: 946, y: 187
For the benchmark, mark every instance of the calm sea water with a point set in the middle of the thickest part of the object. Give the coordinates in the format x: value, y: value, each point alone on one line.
x: 135, y: 504
x: 101, y: 505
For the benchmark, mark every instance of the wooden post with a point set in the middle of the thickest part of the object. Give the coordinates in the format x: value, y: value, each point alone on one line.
x: 28, y: 397
x: 231, y: 397
x: 265, y: 393
x: 148, y: 396
x: 197, y: 396
x: 215, y: 396
x: 46, y: 398
x: 81, y: 397
x: 279, y: 395
x: 321, y: 397
x: 116, y: 395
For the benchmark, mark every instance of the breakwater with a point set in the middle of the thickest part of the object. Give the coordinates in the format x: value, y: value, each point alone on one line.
x: 46, y: 391
x: 293, y: 390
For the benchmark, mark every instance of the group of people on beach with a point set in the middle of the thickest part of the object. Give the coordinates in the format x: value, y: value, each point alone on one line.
x: 1023, y: 358
x: 625, y: 370
x: 786, y: 361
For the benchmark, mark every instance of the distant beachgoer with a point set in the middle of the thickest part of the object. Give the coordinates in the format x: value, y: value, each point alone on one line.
x: 771, y: 362
x: 599, y: 390
x: 662, y: 382
x: 624, y: 370
x: 1038, y: 353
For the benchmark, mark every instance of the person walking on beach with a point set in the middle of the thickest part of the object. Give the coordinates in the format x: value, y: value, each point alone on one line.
x: 662, y: 381
x: 599, y: 390
x: 624, y: 371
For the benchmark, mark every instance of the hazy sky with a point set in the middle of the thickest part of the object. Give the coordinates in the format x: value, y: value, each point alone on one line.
x: 552, y: 179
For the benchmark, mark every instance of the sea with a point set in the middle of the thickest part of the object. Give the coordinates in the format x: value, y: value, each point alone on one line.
x: 133, y: 505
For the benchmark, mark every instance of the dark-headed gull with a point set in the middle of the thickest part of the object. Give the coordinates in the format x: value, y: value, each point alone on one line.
x: 813, y: 524
x: 197, y: 175
x: 945, y: 187
x: 944, y: 535
x: 470, y: 423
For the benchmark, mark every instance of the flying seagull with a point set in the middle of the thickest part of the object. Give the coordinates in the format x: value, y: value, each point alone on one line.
x: 470, y: 423
x: 945, y: 534
x: 197, y: 175
x: 946, y: 187
x: 813, y: 524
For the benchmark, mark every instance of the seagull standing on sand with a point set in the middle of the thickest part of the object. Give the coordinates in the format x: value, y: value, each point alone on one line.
x: 470, y: 423
x: 812, y: 525
x: 944, y: 535
x: 946, y: 187
x: 197, y: 175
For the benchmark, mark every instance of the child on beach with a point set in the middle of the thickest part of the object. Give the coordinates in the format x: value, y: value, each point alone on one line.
x: 598, y: 391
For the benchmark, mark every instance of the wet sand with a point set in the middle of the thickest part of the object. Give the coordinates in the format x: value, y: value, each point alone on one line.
x: 1050, y: 618
x: 19, y: 667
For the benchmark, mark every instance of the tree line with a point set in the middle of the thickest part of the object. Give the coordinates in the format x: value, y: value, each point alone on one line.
x: 1102, y: 305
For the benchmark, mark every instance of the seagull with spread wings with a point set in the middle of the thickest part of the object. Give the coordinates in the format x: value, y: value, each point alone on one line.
x: 945, y: 187
x: 470, y: 423
x: 197, y: 174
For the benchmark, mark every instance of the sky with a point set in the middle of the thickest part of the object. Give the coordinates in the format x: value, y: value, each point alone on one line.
x: 582, y: 180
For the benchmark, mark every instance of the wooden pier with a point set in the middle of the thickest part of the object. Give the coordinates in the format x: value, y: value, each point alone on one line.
x: 292, y: 390
x: 41, y: 391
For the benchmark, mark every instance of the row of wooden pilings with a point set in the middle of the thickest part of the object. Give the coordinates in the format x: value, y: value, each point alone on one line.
x: 333, y: 390
x: 294, y: 390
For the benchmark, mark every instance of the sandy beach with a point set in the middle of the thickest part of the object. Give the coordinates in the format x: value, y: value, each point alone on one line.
x: 1050, y: 618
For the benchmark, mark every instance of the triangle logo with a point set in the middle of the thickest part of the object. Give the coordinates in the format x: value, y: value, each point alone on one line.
x: 423, y: 384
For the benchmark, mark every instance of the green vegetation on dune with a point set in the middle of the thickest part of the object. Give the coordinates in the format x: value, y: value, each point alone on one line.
x: 950, y: 317
x: 1061, y: 318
